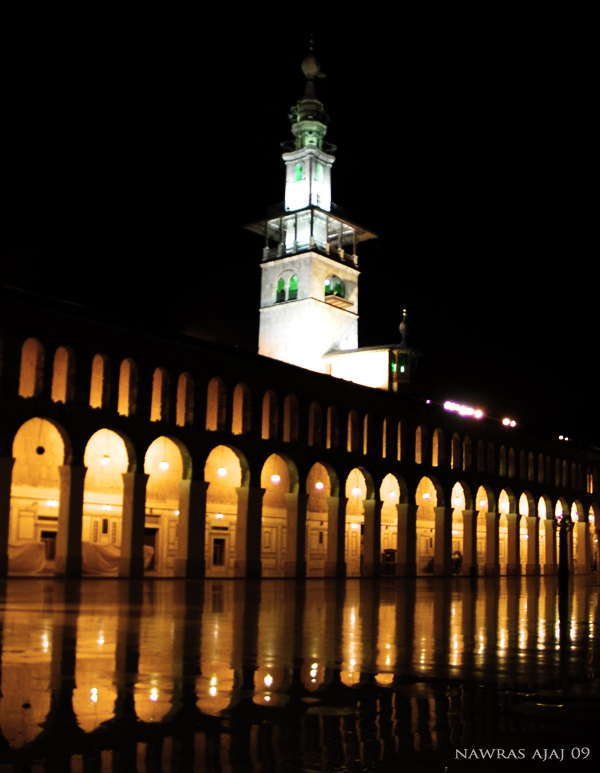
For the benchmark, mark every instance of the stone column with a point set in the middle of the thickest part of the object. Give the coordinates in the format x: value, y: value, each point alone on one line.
x: 442, y: 546
x: 295, y: 554
x: 533, y: 545
x: 513, y: 547
x: 550, y: 567
x: 191, y: 529
x: 6, y: 465
x: 406, y: 546
x: 469, y: 566
x: 248, y: 532
x: 70, y: 518
x: 492, y: 543
x: 372, y: 538
x: 335, y: 565
x: 583, y: 547
x: 131, y: 562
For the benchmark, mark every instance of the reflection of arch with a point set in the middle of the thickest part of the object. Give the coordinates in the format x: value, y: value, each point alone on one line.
x: 240, y: 423
x: 269, y: 416
x: 32, y: 368
x: 290, y: 419
x: 63, y: 375
x: 100, y: 383
x: 159, y: 407
x: 185, y: 400
x: 128, y: 381
x: 216, y: 404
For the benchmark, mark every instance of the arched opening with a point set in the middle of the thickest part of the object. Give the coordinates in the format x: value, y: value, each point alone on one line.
x: 511, y: 462
x: 420, y: 444
x: 491, y: 459
x: 437, y: 448
x: 159, y: 408
x: 593, y: 535
x: 63, y: 375
x: 280, y: 291
x: 426, y: 500
x: 480, y: 456
x: 240, y: 424
x: 458, y: 507
x: 32, y: 368
x: 353, y: 432
x: 38, y: 450
x: 483, y: 504
x: 389, y: 493
x: 402, y: 438
x: 334, y: 287
x: 223, y: 472
x: 467, y: 455
x: 165, y: 466
x: 293, y: 291
x: 291, y: 419
x: 100, y: 382
x: 318, y: 488
x: 455, y: 455
x: 504, y: 508
x: 275, y: 478
x: 543, y: 509
x: 185, y: 401
x: 314, y: 424
x: 367, y: 435
x: 502, y: 468
x: 216, y: 405
x: 333, y: 427
x: 128, y: 382
x: 269, y: 416
x: 356, y: 492
x: 106, y: 460
x: 541, y: 468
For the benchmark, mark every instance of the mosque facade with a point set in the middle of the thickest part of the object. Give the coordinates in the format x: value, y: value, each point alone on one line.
x: 127, y: 452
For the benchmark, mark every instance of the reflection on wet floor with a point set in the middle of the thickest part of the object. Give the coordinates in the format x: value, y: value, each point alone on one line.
x: 286, y: 675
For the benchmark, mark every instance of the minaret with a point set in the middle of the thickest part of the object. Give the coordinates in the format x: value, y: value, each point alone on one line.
x: 309, y: 289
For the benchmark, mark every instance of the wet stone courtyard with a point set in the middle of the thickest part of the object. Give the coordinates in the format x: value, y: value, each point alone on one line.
x: 228, y: 676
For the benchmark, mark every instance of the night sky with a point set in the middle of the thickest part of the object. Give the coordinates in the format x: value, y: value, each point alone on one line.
x: 134, y: 153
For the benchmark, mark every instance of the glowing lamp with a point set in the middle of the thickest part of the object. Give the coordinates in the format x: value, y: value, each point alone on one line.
x: 154, y: 694
x: 425, y: 495
x: 319, y: 485
x: 392, y: 495
x: 106, y: 508
x: 355, y: 491
x: 483, y: 503
x: 222, y: 472
x: 275, y: 480
x: 327, y: 282
x: 105, y: 460
x: 52, y: 503
x: 164, y: 465
x: 219, y: 515
x: 94, y: 694
x: 268, y: 680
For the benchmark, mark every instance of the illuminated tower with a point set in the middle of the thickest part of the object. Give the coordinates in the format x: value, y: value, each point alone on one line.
x: 309, y: 289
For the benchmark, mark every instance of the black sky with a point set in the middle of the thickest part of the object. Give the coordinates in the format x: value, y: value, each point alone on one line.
x: 135, y: 151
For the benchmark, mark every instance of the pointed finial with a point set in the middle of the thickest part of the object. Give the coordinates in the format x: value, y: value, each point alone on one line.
x: 403, y: 328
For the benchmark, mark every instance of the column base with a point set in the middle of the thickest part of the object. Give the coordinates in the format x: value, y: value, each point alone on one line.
x: 408, y: 569
x: 469, y: 571
x: 294, y: 569
x: 189, y: 568
x: 550, y: 569
x: 513, y: 570
x: 532, y: 569
x: 371, y: 570
x: 491, y: 569
x: 335, y: 569
x: 442, y: 570
x: 67, y: 566
x: 252, y: 569
x: 131, y: 567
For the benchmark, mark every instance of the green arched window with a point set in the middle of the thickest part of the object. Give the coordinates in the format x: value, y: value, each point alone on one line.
x: 293, y: 291
x: 328, y: 287
x: 338, y: 289
x: 280, y: 291
x: 319, y: 173
x: 298, y: 172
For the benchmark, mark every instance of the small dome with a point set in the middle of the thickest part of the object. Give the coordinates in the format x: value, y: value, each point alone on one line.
x: 310, y: 67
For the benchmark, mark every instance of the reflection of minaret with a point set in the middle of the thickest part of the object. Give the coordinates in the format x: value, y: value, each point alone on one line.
x: 309, y: 296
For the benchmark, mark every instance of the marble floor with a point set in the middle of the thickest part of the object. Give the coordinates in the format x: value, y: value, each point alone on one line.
x: 433, y: 674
